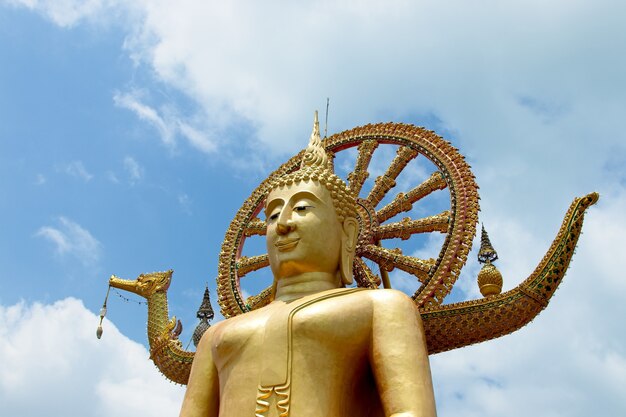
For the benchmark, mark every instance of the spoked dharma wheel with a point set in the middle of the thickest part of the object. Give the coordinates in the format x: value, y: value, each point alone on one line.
x: 436, y: 276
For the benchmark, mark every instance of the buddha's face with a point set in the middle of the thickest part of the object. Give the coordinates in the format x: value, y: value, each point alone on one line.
x: 303, y: 231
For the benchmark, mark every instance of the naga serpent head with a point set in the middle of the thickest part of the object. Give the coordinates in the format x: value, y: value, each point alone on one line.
x: 145, y: 285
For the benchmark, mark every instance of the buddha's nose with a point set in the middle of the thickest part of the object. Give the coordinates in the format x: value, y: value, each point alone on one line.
x: 283, y: 228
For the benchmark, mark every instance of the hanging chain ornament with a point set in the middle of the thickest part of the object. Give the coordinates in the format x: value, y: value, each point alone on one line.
x: 103, y: 310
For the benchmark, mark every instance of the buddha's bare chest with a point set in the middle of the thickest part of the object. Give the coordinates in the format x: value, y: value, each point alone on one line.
x: 338, y: 324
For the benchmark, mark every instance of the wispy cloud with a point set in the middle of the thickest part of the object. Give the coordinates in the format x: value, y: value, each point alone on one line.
x: 51, y: 350
x: 546, y: 111
x: 185, y: 202
x: 77, y: 169
x: 71, y: 239
x: 40, y: 179
x: 111, y: 176
x: 132, y: 102
x: 66, y: 13
x: 134, y: 170
x: 168, y: 124
x: 197, y: 139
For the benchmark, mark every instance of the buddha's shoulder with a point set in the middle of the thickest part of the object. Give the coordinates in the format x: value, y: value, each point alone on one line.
x: 378, y: 294
x: 381, y: 296
x: 389, y: 299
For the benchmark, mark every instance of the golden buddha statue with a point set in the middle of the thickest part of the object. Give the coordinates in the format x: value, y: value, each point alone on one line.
x: 318, y: 348
x: 309, y: 346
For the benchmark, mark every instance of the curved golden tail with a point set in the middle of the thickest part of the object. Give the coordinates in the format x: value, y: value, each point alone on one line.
x: 460, y: 324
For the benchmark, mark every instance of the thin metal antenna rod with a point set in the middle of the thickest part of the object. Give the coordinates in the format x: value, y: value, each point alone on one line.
x: 326, y: 125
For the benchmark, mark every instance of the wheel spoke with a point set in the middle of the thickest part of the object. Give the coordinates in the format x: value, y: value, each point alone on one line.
x: 407, y: 227
x: 357, y: 177
x: 248, y: 264
x: 255, y: 227
x: 364, y: 275
x: 387, y: 181
x: 259, y: 300
x: 388, y: 259
x: 404, y: 202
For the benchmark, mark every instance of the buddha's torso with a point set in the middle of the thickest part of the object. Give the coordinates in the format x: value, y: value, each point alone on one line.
x: 328, y: 356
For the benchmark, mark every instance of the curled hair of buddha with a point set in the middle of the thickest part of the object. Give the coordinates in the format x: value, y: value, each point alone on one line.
x: 315, y: 166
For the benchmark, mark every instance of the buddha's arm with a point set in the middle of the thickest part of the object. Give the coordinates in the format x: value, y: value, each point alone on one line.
x: 202, y: 395
x: 399, y: 357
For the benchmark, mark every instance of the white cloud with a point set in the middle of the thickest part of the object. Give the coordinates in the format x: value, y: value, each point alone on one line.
x: 166, y: 121
x: 57, y: 237
x: 68, y: 13
x: 274, y: 69
x: 131, y: 101
x: 77, y: 169
x: 54, y: 365
x: 512, y: 81
x: 134, y: 170
x: 72, y: 239
x: 197, y: 139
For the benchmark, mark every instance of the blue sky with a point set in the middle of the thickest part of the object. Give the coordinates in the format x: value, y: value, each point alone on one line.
x: 72, y: 160
x: 131, y: 132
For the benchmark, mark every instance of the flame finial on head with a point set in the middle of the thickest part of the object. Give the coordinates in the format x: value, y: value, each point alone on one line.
x: 317, y: 166
x: 315, y: 156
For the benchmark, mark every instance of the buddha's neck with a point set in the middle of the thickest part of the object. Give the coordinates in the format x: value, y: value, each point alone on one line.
x: 298, y: 286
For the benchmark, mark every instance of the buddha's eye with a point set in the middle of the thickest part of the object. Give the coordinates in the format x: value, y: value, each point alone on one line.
x: 273, y: 217
x: 301, y: 208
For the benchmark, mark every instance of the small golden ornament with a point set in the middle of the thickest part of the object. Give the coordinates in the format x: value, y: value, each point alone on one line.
x: 489, y: 278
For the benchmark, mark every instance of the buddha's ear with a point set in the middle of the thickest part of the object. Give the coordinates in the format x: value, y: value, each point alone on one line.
x: 348, y: 246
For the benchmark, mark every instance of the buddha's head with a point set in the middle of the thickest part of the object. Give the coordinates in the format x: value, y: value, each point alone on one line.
x: 311, y: 219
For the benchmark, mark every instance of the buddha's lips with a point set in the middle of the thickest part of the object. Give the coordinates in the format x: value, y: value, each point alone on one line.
x: 286, y: 244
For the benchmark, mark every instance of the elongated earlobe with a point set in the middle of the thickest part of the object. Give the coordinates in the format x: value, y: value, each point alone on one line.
x: 348, y: 246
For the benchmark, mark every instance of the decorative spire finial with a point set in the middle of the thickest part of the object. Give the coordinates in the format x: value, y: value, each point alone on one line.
x: 206, y: 310
x: 315, y: 156
x: 205, y: 314
x: 487, y: 253
x: 489, y: 278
